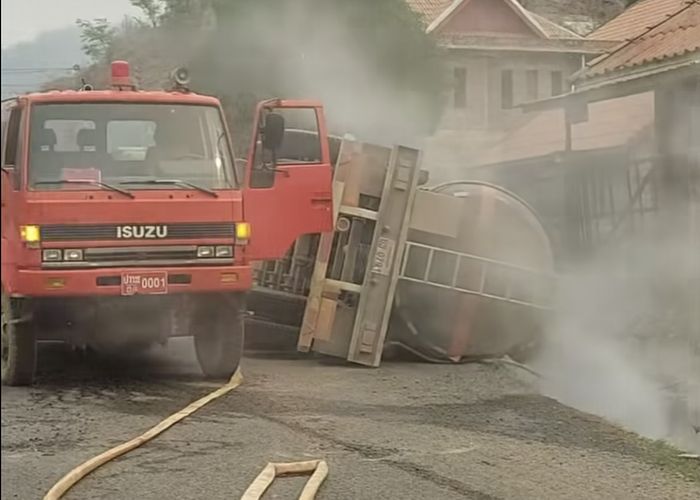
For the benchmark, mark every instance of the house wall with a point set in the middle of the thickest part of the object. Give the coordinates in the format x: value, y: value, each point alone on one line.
x: 480, y: 123
x: 486, y: 16
x: 485, y: 107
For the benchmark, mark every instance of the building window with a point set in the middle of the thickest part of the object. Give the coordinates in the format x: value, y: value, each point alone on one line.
x: 531, y: 85
x: 506, y: 89
x: 460, y: 88
x: 557, y: 83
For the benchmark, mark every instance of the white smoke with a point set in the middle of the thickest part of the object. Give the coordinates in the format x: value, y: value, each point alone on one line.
x: 625, y: 345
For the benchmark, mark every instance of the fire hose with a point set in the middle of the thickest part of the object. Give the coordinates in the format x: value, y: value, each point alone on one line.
x: 317, y: 468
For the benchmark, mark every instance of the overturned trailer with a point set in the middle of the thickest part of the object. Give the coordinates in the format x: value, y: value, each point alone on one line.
x: 455, y: 271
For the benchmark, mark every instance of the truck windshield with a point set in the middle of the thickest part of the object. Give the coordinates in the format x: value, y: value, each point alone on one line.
x: 123, y: 143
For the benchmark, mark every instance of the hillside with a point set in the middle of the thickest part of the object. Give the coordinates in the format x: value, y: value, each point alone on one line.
x: 27, y: 65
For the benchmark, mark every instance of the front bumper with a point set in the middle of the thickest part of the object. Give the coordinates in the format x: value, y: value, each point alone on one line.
x: 107, y: 281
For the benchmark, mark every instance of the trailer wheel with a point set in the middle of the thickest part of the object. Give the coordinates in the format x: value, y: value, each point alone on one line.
x: 18, y: 343
x: 218, y: 335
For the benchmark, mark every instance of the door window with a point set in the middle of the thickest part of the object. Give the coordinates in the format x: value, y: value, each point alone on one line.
x: 300, y: 145
x: 13, y: 145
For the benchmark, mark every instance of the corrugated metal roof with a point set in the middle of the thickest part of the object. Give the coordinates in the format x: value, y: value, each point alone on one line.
x: 636, y: 19
x: 678, y: 35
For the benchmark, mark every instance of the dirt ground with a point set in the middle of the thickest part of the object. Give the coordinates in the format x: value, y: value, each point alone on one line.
x: 405, y: 430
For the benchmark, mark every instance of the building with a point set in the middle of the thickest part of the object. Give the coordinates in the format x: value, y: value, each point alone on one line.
x: 590, y: 162
x: 660, y: 57
x: 498, y: 55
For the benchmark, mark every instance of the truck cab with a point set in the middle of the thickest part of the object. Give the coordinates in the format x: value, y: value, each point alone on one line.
x: 126, y: 221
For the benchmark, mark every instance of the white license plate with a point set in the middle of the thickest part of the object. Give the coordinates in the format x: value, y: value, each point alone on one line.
x: 146, y: 283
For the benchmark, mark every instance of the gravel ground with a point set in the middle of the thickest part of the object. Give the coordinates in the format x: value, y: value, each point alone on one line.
x: 405, y: 430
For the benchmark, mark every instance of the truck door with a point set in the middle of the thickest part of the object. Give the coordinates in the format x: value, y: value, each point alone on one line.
x: 288, y: 177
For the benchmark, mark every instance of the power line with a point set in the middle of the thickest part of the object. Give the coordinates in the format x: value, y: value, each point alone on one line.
x: 39, y: 69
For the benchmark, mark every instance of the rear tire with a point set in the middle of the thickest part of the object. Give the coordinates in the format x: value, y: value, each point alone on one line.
x: 218, y: 335
x: 18, y: 343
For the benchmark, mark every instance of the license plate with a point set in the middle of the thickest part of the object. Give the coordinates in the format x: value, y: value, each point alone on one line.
x: 148, y: 283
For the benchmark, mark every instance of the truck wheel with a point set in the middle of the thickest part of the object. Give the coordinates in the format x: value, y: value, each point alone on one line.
x: 218, y: 335
x: 18, y: 344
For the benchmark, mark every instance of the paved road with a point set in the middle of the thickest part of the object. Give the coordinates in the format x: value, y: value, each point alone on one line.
x: 406, y: 430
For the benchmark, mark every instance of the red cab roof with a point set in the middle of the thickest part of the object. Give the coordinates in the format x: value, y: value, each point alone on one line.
x: 159, y: 96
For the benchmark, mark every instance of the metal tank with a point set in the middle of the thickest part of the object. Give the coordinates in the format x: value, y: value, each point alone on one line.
x: 477, y: 275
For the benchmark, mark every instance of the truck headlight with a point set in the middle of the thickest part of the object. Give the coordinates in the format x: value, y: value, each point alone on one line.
x: 224, y: 251
x: 242, y: 232
x: 30, y: 234
x: 73, y: 254
x: 205, y: 252
x: 52, y: 255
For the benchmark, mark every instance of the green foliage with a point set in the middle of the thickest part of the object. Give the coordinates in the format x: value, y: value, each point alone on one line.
x: 152, y: 9
x: 371, y: 62
x: 159, y: 12
x: 96, y: 37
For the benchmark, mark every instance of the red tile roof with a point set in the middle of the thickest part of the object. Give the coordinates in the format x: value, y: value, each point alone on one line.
x: 429, y: 10
x: 678, y: 35
x: 610, y: 123
x: 636, y: 19
x: 514, y: 43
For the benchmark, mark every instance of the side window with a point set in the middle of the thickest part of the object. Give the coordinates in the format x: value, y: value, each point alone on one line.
x: 531, y: 84
x: 13, y: 144
x: 506, y: 89
x: 460, y: 88
x: 129, y: 140
x: 300, y: 144
x: 557, y: 83
x: 67, y: 132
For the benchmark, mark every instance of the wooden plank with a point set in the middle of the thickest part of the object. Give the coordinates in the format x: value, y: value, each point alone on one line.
x: 358, y: 212
x: 309, y: 325
x: 326, y: 318
x: 343, y: 285
x: 352, y: 171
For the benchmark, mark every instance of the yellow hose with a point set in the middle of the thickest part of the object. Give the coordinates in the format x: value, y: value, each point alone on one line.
x: 73, y: 477
x: 317, y: 468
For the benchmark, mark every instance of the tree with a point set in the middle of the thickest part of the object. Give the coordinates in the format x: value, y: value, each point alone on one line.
x: 371, y: 63
x: 152, y: 9
x: 159, y: 12
x: 96, y: 37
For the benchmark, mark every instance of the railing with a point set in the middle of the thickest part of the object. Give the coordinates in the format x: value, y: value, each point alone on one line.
x: 539, y: 283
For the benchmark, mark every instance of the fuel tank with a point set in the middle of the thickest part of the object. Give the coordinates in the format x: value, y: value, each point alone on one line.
x: 477, y: 278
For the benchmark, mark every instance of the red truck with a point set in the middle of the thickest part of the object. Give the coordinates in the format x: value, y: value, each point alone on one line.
x: 126, y: 219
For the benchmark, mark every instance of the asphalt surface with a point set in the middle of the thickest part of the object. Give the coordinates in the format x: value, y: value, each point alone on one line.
x: 405, y: 430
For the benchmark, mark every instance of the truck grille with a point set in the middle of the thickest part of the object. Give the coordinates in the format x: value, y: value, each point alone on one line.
x: 173, y: 255
x: 102, y: 232
x: 140, y: 254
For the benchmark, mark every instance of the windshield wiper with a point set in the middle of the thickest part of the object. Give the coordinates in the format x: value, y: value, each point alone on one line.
x: 177, y: 182
x: 103, y: 185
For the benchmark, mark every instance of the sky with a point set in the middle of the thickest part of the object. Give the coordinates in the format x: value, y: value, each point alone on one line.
x: 22, y: 20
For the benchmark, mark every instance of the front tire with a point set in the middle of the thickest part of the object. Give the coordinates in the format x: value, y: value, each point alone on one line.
x: 18, y: 342
x: 218, y: 335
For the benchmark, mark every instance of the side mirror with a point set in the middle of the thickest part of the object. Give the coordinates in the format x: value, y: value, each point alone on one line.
x: 273, y: 132
x: 6, y: 181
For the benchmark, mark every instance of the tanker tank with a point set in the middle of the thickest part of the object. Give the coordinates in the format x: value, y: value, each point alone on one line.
x: 477, y: 278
